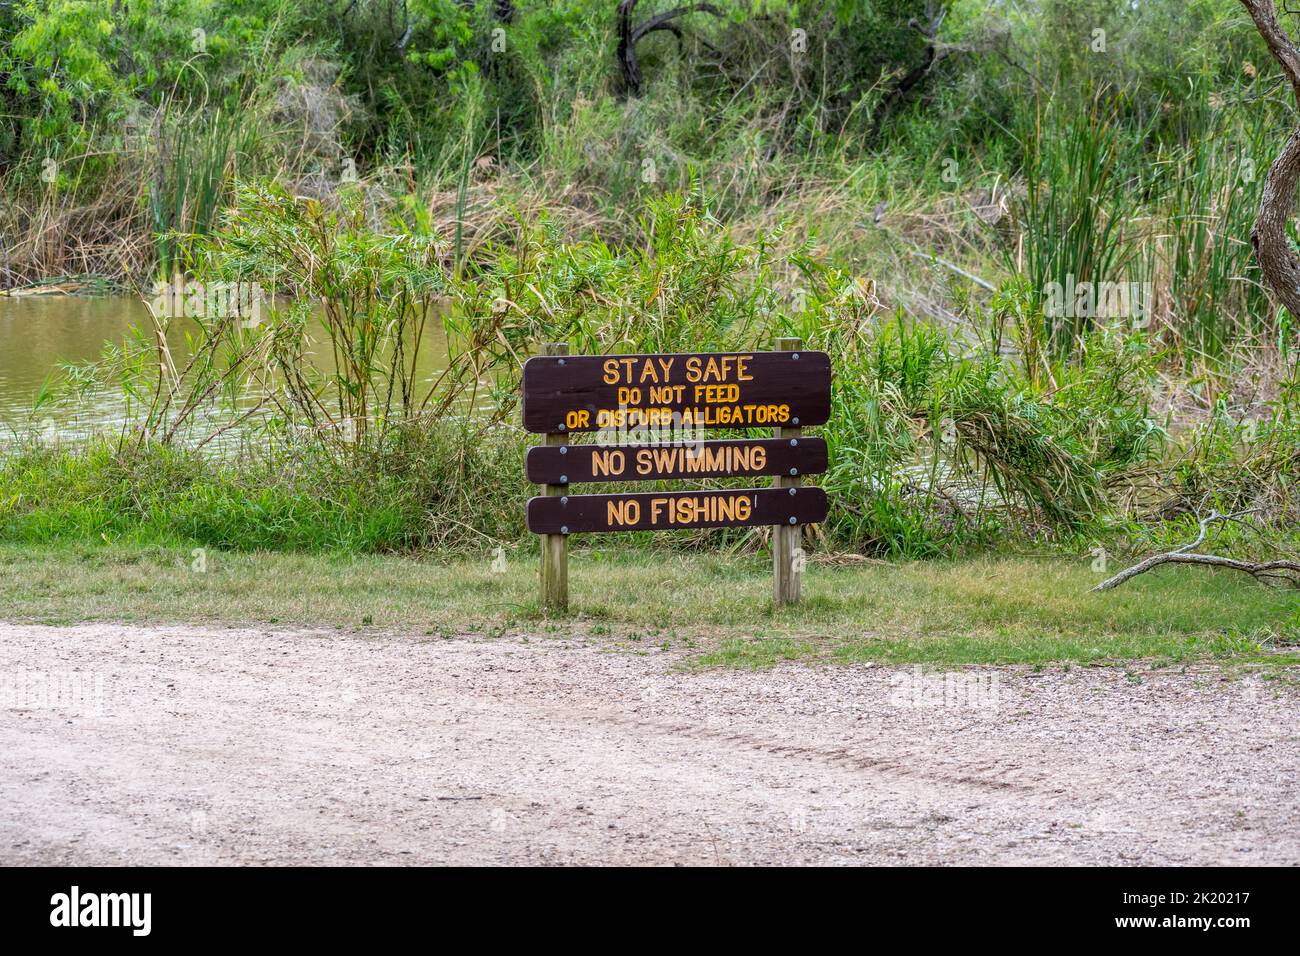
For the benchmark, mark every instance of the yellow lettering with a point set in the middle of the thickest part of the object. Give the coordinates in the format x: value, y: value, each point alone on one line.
x: 608, y: 462
x: 622, y: 512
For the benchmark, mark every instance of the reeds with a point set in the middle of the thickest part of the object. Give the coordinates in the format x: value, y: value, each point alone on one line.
x: 1076, y: 209
x: 1213, y: 299
x: 197, y: 157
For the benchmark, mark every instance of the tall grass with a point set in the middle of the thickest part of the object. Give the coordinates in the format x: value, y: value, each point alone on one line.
x: 431, y: 490
x: 1214, y: 296
x: 196, y: 162
x: 1076, y: 209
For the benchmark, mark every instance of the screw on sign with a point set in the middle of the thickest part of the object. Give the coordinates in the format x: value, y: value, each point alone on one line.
x: 673, y: 396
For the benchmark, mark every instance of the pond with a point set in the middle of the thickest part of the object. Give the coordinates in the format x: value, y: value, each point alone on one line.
x: 40, y: 334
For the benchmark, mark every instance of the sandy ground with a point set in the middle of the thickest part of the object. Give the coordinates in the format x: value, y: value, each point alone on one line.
x: 186, y: 745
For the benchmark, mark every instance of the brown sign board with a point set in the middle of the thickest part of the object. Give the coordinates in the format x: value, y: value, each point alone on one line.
x: 739, y: 458
x: 675, y: 510
x: 585, y: 393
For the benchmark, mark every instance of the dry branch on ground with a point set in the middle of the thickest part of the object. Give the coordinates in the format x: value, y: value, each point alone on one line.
x: 1278, y: 570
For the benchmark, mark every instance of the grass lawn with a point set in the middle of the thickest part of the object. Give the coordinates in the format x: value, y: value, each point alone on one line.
x: 989, y: 610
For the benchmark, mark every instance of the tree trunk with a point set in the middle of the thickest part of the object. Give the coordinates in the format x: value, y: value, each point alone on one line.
x: 627, y: 49
x: 1280, y: 266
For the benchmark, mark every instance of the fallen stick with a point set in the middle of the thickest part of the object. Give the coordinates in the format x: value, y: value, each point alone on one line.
x: 982, y: 283
x: 1279, y: 569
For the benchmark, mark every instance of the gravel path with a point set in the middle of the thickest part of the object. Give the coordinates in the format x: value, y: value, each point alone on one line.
x: 207, y: 745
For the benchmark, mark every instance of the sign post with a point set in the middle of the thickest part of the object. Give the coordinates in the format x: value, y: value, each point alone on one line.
x: 787, y: 564
x: 649, y: 413
x: 555, y: 547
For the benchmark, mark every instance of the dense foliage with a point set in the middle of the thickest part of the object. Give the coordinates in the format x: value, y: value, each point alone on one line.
x: 1020, y: 228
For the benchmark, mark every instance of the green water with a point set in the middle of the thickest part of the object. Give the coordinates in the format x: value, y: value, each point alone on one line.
x: 39, y: 334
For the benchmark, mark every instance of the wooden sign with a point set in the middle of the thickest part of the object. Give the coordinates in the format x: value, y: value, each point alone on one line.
x: 675, y: 510
x: 570, y: 464
x: 585, y: 393
x: 676, y: 395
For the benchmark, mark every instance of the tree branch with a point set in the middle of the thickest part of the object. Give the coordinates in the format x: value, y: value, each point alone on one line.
x: 629, y: 36
x: 932, y: 54
x: 934, y: 14
x: 1288, y: 571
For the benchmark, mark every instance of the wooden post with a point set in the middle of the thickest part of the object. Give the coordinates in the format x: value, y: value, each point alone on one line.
x: 555, y: 548
x: 786, y: 537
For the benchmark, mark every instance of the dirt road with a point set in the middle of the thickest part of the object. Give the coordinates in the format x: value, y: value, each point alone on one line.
x: 123, y: 744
